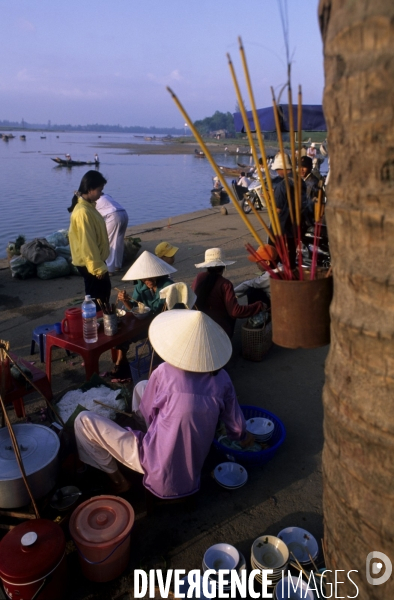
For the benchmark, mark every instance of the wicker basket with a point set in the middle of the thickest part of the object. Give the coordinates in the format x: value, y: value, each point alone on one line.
x: 256, y: 342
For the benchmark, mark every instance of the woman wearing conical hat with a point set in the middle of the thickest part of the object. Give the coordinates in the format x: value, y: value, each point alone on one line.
x: 151, y: 275
x: 181, y: 405
x: 215, y: 294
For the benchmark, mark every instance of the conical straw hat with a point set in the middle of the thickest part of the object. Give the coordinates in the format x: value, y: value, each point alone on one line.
x: 148, y: 265
x: 190, y: 340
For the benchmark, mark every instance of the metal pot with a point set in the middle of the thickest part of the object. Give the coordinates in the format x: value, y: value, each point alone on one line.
x: 39, y: 448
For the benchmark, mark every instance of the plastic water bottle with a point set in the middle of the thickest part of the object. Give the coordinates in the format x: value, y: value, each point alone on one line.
x: 89, y: 320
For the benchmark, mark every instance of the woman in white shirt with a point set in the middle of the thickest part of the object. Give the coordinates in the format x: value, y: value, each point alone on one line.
x: 116, y: 221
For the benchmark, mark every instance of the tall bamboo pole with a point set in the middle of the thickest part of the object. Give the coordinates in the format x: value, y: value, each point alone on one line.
x: 255, y: 156
x: 268, y: 194
x: 270, y: 197
x: 282, y: 152
x: 215, y: 167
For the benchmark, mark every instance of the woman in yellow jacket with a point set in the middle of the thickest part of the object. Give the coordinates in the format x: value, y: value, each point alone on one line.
x: 88, y: 237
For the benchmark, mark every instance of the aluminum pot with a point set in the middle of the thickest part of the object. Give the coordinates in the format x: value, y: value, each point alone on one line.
x: 39, y: 448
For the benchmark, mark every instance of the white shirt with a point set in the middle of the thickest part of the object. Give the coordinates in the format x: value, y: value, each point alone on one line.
x: 244, y: 181
x: 107, y: 205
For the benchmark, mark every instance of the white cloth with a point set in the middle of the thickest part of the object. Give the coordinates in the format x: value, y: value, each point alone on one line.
x: 138, y: 392
x: 101, y: 441
x: 262, y: 282
x: 116, y: 221
x: 178, y: 293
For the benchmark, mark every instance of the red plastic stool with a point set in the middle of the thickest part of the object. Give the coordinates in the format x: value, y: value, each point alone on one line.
x: 19, y: 390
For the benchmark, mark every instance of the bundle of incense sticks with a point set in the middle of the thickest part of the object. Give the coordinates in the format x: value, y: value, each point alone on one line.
x: 293, y: 182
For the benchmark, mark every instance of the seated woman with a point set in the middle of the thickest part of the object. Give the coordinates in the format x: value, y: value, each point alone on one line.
x: 259, y: 287
x: 181, y: 404
x: 215, y: 294
x: 151, y: 275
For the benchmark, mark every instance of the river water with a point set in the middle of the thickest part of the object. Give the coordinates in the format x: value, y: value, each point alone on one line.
x: 36, y: 193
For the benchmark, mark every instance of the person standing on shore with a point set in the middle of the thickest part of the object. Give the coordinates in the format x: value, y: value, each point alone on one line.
x: 116, y: 221
x: 88, y: 237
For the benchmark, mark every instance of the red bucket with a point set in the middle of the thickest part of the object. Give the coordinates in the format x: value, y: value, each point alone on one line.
x: 100, y: 528
x: 72, y: 323
x: 33, y: 562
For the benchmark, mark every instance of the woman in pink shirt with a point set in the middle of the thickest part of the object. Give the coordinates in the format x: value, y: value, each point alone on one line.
x: 181, y: 404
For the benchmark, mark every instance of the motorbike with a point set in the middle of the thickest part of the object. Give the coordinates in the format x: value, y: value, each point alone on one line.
x: 255, y: 196
x: 323, y: 247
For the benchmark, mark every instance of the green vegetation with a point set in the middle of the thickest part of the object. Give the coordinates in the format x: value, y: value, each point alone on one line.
x: 218, y: 121
x: 23, y: 125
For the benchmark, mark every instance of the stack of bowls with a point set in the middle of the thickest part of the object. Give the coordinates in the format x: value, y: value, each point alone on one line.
x: 301, y: 543
x: 269, y: 552
x: 221, y: 557
x: 261, y: 428
x: 284, y: 590
x: 230, y: 475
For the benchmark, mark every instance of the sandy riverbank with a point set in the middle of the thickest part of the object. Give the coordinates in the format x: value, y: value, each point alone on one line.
x: 286, y: 491
x: 183, y: 147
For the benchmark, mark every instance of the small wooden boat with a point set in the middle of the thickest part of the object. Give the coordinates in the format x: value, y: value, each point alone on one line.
x: 22, y: 137
x: 231, y: 171
x: 10, y: 136
x: 43, y: 137
x: 5, y: 137
x: 73, y: 163
x: 199, y: 153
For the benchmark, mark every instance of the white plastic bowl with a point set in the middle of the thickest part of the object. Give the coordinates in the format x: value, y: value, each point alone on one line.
x: 260, y: 426
x: 221, y: 556
x: 300, y: 542
x: 284, y: 589
x: 136, y: 312
x: 270, y: 552
x: 120, y: 312
x: 230, y: 475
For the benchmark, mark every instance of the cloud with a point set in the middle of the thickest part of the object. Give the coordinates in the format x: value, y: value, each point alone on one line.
x: 23, y: 75
x: 175, y: 75
x: 26, y: 25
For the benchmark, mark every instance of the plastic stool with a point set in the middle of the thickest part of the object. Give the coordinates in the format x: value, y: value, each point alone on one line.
x: 39, y: 337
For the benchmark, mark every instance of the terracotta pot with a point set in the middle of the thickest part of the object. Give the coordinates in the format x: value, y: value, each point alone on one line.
x: 300, y: 312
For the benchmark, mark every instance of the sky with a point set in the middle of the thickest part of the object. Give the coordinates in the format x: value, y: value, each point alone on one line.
x: 109, y: 62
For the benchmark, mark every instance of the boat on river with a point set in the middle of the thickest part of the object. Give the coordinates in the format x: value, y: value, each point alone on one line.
x: 199, y: 153
x: 73, y: 163
x: 231, y: 171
